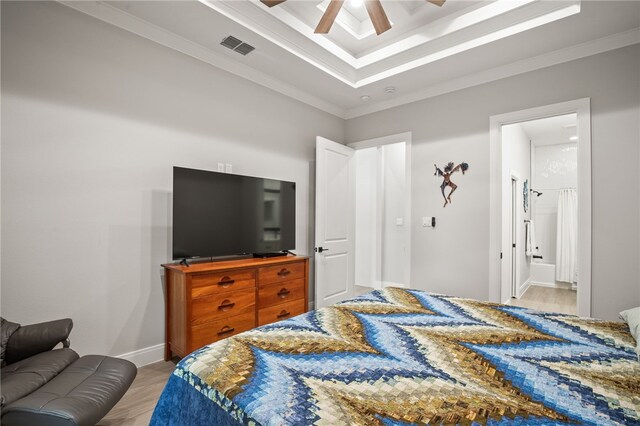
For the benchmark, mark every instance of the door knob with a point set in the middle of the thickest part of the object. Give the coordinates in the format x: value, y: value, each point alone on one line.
x: 321, y: 249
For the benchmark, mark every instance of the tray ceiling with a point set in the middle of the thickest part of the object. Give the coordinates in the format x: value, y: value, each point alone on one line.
x: 429, y: 50
x: 421, y: 33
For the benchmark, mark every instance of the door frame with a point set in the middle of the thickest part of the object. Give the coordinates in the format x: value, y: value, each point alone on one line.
x: 581, y: 107
x: 405, y: 137
x: 514, y: 178
x: 510, y: 265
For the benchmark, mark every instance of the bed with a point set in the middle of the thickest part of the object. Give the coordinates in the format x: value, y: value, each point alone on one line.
x: 398, y: 357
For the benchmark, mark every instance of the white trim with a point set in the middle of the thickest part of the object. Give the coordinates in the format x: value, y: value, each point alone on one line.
x: 568, y: 9
x: 581, y: 107
x: 128, y: 22
x: 543, y: 284
x: 494, y: 21
x: 563, y: 286
x: 135, y: 25
x: 405, y: 137
x: 515, y: 265
x: 380, y: 172
x: 386, y: 284
x: 145, y: 356
x: 593, y: 47
x: 382, y: 140
x: 523, y: 288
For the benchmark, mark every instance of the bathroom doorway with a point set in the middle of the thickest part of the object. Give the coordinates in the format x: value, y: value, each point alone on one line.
x: 543, y: 253
x: 543, y: 198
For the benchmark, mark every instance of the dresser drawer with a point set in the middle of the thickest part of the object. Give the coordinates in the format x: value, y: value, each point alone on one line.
x: 222, y: 304
x: 274, y: 294
x: 279, y: 273
x: 206, y: 284
x: 210, y: 332
x: 280, y: 312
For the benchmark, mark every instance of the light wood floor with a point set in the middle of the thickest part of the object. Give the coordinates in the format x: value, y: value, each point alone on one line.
x: 137, y: 405
x: 548, y: 299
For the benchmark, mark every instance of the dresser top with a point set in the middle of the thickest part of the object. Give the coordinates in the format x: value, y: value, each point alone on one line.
x: 251, y: 262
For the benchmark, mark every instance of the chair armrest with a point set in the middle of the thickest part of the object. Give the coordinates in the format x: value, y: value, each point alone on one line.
x: 36, y: 338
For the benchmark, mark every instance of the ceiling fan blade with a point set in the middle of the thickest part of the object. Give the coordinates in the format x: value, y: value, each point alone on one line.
x: 329, y: 16
x: 437, y: 2
x: 271, y: 3
x: 378, y: 17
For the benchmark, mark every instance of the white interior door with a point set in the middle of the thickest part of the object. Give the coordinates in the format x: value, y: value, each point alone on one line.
x: 335, y: 222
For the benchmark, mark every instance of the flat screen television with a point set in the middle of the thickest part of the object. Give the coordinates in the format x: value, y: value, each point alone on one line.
x: 222, y: 214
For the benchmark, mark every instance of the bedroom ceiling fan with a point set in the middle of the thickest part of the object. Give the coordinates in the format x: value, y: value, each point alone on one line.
x: 374, y: 9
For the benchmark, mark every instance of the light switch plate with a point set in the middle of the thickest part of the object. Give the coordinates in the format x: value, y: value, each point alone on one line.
x: 427, y: 222
x: 228, y: 168
x: 399, y: 221
x: 221, y: 167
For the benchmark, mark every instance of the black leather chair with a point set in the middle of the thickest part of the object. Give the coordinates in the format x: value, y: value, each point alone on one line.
x: 46, y: 386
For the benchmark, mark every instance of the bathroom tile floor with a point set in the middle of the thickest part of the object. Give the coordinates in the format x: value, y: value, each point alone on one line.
x: 548, y: 299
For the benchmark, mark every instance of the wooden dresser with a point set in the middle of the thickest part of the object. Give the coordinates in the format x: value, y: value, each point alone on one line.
x: 206, y: 302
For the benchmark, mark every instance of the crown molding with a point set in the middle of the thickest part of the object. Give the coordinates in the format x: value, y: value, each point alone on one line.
x: 142, y: 28
x: 593, y: 47
x: 128, y: 22
x: 455, y: 33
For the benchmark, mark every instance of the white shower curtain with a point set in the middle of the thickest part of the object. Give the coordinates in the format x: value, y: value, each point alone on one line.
x: 566, y: 240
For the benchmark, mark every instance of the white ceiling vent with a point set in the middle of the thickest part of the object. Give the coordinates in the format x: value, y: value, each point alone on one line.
x: 237, y: 45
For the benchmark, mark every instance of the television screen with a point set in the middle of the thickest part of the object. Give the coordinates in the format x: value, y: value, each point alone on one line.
x: 222, y: 214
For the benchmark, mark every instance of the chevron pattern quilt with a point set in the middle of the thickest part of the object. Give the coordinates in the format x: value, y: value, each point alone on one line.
x: 400, y: 357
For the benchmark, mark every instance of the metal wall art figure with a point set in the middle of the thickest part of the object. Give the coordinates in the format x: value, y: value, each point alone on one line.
x: 446, y: 174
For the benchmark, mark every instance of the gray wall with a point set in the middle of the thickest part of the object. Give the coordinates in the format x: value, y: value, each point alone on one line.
x: 93, y: 119
x: 455, y: 127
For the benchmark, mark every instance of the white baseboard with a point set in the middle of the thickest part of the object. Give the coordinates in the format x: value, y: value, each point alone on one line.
x: 543, y: 284
x: 565, y: 286
x: 145, y: 356
x: 392, y: 284
x: 523, y: 288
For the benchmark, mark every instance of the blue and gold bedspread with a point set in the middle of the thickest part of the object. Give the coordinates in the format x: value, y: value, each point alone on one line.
x: 398, y: 357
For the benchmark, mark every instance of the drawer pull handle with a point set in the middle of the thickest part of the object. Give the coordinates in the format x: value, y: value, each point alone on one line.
x: 225, y: 281
x: 284, y: 272
x: 226, y: 305
x: 284, y: 314
x: 226, y: 330
x: 283, y: 293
